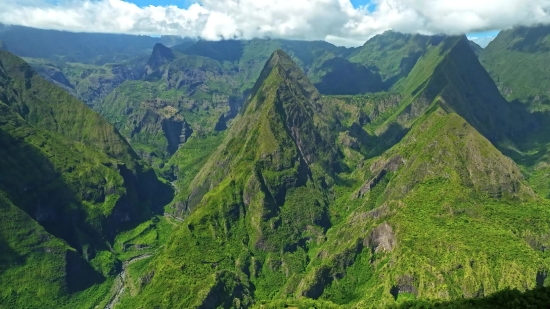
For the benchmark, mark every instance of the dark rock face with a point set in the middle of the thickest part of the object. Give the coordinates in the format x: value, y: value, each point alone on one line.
x: 379, y: 170
x: 160, y: 56
x: 405, y: 284
x: 381, y: 239
x: 221, y: 125
x: 176, y: 131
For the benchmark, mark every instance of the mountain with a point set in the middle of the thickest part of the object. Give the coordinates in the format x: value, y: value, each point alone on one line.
x: 69, y: 184
x: 258, y: 192
x: 289, y: 210
x: 513, y: 59
x: 3, y: 46
x: 207, y: 83
x: 392, y: 175
x: 89, y: 48
x: 88, y: 82
x: 392, y: 54
x: 476, y: 48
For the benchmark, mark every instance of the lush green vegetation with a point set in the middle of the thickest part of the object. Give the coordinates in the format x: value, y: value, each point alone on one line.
x: 69, y: 184
x: 517, y: 60
x: 440, y: 215
x: 409, y: 183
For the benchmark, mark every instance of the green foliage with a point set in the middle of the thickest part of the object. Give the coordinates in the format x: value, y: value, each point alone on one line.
x: 394, y: 199
x: 393, y: 55
x: 514, y: 61
x: 186, y: 163
x: 85, y: 186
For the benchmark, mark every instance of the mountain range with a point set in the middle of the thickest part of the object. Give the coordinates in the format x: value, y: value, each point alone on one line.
x: 408, y: 172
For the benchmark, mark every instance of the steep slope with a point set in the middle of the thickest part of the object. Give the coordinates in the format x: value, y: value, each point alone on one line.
x: 261, y: 194
x: 160, y: 56
x: 207, y: 83
x: 34, y: 260
x: 450, y: 71
x: 276, y: 213
x: 73, y: 174
x: 392, y: 54
x: 514, y: 61
x: 441, y: 215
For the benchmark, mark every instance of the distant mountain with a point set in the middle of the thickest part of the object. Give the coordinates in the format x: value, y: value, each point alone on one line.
x: 514, y: 61
x: 90, y: 48
x: 207, y: 83
x: 392, y: 54
x: 68, y: 175
x: 3, y: 46
x: 475, y: 47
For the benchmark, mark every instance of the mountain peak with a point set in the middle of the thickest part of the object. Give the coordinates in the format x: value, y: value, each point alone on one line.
x: 280, y: 59
x: 160, y: 56
x: 279, y: 126
x: 287, y: 72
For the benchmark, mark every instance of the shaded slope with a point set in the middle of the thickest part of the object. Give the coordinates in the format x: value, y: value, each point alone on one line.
x: 339, y: 76
x: 86, y: 182
x: 451, y: 72
x: 34, y: 260
x: 256, y: 203
x: 392, y: 54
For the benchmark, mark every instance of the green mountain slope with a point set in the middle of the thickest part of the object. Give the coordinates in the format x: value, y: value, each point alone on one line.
x: 75, y: 178
x: 288, y: 210
x: 451, y: 71
x: 207, y: 82
x: 254, y: 199
x: 514, y: 61
x: 392, y: 54
x: 88, y: 82
x: 431, y: 222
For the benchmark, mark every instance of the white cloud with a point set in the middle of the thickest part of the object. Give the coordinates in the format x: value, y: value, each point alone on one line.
x: 332, y: 20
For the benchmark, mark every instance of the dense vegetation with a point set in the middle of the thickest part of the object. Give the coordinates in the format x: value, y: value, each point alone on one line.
x: 306, y: 175
x: 69, y: 184
x: 517, y: 60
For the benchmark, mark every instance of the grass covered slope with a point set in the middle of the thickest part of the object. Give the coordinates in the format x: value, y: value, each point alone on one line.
x: 75, y: 177
x: 516, y: 60
x: 392, y: 54
x: 276, y: 216
x: 441, y: 215
x: 254, y: 209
